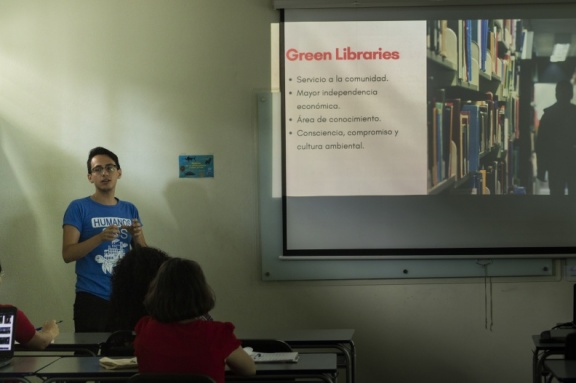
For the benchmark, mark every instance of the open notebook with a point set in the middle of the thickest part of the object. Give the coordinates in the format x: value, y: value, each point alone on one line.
x: 7, y: 325
x: 272, y: 357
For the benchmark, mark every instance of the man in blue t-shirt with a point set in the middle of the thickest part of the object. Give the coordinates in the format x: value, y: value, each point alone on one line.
x: 98, y: 231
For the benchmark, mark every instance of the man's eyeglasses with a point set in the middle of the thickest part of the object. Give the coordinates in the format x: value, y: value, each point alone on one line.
x: 108, y: 168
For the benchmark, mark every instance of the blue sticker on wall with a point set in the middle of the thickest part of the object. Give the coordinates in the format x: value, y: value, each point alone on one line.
x: 194, y: 166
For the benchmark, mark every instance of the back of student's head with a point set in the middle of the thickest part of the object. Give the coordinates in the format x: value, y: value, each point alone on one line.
x: 101, y: 151
x: 179, y: 292
x: 131, y: 278
x: 564, y: 91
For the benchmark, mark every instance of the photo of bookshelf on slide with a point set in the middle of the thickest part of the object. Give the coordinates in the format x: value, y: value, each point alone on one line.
x: 487, y: 93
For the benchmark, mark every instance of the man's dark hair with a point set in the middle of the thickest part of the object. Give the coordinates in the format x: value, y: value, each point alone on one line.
x: 101, y: 151
x: 179, y: 292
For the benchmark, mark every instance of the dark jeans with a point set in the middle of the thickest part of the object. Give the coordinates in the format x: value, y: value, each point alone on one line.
x: 91, y: 313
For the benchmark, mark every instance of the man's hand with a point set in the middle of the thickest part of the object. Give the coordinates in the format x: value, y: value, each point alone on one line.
x: 110, y: 233
x: 135, y: 230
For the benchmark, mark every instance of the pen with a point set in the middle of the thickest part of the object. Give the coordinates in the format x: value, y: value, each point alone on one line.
x: 40, y: 328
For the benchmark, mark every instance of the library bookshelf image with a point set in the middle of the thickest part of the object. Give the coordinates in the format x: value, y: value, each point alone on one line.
x: 473, y: 101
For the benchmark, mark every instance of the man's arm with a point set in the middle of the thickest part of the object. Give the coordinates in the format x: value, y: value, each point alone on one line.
x: 72, y: 250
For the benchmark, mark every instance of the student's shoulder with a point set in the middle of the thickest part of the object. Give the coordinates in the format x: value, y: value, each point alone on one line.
x: 222, y: 327
x: 20, y: 314
x: 143, y: 323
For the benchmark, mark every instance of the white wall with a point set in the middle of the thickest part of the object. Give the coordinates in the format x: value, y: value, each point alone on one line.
x: 153, y: 79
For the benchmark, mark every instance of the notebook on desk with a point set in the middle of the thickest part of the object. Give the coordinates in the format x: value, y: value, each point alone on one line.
x: 7, y: 325
x: 272, y: 357
x: 275, y: 357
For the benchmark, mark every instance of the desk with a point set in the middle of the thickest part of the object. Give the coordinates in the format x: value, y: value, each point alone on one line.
x: 320, y: 367
x: 23, y: 367
x: 339, y: 340
x: 542, y: 351
x: 86, y: 343
x: 562, y: 370
x: 81, y: 368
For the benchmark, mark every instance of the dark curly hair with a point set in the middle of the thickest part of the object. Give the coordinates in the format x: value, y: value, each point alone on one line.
x: 179, y: 292
x: 130, y: 280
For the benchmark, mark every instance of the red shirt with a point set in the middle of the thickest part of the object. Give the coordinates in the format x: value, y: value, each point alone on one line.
x: 25, y: 330
x: 199, y: 347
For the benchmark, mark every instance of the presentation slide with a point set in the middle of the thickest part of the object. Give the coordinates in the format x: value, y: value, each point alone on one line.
x: 409, y: 134
x: 355, y: 108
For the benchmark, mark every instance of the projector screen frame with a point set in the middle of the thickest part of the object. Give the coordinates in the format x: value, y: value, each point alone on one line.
x: 441, y: 252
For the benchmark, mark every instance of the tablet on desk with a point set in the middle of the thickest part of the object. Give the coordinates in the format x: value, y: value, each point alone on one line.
x: 7, y: 328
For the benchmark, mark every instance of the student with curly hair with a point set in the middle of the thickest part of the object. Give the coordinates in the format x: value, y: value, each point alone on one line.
x: 173, y: 338
x: 130, y: 280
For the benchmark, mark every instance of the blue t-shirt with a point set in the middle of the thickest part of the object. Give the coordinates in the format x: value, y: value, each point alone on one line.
x: 93, y: 271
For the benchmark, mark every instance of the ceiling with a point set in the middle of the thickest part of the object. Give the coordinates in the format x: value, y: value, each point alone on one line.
x: 404, y: 3
x: 547, y: 31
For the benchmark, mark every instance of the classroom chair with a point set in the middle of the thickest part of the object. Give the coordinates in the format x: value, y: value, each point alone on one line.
x: 119, y: 343
x: 570, y: 346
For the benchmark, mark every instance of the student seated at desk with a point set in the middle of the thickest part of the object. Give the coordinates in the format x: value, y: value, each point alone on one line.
x: 130, y: 280
x: 129, y: 284
x: 174, y: 338
x: 27, y: 335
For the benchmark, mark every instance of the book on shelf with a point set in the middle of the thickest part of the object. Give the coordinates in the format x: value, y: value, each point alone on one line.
x: 473, y: 136
x: 484, y: 37
x: 465, y: 143
x: 439, y: 113
x: 456, y: 137
x: 474, y: 140
x: 482, y: 187
x: 458, y: 27
x: 468, y: 45
x: 447, y: 126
